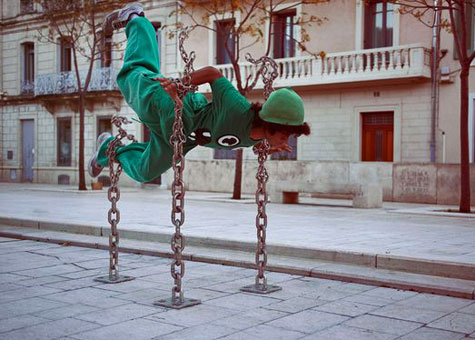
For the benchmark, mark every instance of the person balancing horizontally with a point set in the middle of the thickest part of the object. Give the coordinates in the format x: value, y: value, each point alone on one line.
x: 229, y: 121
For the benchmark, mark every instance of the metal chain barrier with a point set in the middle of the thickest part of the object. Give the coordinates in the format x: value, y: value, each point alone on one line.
x: 113, y: 194
x: 268, y: 71
x: 177, y: 140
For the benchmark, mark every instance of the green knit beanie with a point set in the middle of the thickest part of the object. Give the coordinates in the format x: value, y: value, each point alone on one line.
x: 284, y: 106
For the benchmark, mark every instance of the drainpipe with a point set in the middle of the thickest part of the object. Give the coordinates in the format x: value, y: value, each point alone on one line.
x: 435, y: 78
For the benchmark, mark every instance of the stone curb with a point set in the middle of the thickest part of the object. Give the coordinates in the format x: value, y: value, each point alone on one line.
x: 396, y: 280
x: 389, y: 262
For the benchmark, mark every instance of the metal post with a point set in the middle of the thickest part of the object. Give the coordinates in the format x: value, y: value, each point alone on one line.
x: 113, y: 195
x: 178, y: 138
x: 261, y: 150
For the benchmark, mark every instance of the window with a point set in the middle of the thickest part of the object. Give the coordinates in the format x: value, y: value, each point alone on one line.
x: 225, y: 37
x: 284, y: 155
x: 26, y: 6
x: 470, y: 27
x: 377, y: 143
x: 378, y: 24
x: 284, y: 34
x: 27, y: 68
x: 64, y: 142
x: 104, y: 124
x: 64, y: 55
x: 106, y: 51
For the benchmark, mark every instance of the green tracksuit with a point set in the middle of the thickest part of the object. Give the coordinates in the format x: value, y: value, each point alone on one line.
x: 224, y: 123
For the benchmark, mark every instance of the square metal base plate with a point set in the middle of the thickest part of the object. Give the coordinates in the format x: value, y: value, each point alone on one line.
x: 117, y: 279
x: 168, y: 303
x: 260, y: 289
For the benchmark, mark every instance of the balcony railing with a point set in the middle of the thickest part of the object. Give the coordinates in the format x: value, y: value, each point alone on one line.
x: 410, y: 61
x: 103, y: 79
x: 27, y: 87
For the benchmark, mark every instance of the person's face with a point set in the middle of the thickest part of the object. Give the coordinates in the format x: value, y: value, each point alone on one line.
x: 277, y: 138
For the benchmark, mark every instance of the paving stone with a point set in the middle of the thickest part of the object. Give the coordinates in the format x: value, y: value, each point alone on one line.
x: 347, y: 308
x: 128, y: 286
x: 342, y: 332
x: 145, y: 296
x: 369, y: 300
x: 295, y: 305
x: 250, y: 318
x: 204, y: 294
x: 85, y: 273
x: 139, y: 329
x: 147, y: 271
x: 71, y: 284
x: 240, y: 336
x: 308, y: 321
x: 117, y: 314
x: 5, y: 287
x: 49, y: 330
x: 436, y: 302
x: 21, y: 321
x: 66, y: 312
x: 27, y: 292
x: 26, y: 306
x: 456, y: 322
x: 7, y: 278
x: 242, y: 301
x: 193, y: 316
x: 470, y: 309
x: 51, y: 270
x: 39, y: 281
x: 426, y: 333
x: 383, y: 324
x: 88, y: 296
x: 408, y: 313
x: 201, y: 332
x: 390, y: 293
x: 272, y: 332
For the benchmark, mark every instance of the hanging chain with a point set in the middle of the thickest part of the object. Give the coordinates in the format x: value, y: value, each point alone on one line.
x: 177, y: 140
x: 268, y: 71
x: 113, y: 194
x: 262, y: 150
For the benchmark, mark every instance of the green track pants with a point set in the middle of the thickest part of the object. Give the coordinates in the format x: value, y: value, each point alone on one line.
x: 144, y: 161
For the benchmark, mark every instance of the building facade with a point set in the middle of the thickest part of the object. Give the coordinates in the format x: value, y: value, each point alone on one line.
x: 367, y: 97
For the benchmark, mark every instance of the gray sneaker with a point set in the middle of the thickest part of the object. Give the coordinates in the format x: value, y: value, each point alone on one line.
x: 119, y: 18
x: 93, y: 168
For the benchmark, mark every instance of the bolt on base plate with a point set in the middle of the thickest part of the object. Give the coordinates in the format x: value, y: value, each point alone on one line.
x: 170, y: 303
x: 114, y: 279
x: 260, y: 288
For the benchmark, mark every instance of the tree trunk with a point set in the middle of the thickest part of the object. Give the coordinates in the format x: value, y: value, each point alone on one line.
x: 238, y: 176
x: 464, y: 156
x: 82, y: 178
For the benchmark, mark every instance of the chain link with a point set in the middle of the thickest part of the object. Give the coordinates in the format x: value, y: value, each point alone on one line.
x: 113, y: 194
x: 262, y: 176
x: 268, y: 71
x: 177, y: 140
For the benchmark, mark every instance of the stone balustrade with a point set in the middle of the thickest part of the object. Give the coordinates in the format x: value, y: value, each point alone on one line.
x: 398, y: 62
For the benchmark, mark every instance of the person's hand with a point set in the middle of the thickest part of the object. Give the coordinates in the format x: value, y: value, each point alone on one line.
x: 169, y: 86
x: 283, y: 147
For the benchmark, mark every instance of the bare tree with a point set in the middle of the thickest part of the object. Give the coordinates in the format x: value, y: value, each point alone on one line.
x: 455, y: 21
x: 253, y: 16
x: 75, y: 23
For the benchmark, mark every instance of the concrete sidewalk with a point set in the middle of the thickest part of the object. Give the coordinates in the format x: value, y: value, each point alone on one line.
x: 48, y: 292
x: 404, y: 237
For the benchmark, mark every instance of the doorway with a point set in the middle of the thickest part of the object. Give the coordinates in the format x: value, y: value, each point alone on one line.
x: 28, y: 149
